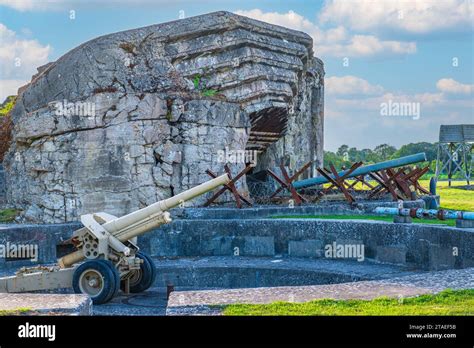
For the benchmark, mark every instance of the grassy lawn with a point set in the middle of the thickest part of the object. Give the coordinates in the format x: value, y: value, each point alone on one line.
x: 363, y: 217
x: 19, y: 311
x: 448, y: 302
x: 451, y: 198
x: 8, y: 215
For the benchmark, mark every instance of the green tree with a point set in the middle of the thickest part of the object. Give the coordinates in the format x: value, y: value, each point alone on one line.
x: 345, y: 155
x: 367, y: 156
x: 343, y: 149
x: 430, y: 149
x: 384, y: 152
x: 353, y: 154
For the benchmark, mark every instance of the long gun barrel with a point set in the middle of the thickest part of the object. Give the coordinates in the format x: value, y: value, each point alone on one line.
x: 141, y: 221
x: 398, y: 162
x: 125, y: 228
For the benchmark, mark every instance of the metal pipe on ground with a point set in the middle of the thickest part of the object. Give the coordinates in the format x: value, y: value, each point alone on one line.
x: 421, y: 213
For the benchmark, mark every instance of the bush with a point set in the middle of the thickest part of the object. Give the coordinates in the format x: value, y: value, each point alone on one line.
x: 7, y: 105
x: 6, y: 126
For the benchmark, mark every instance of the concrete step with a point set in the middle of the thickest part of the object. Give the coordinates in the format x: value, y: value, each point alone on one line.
x: 250, y: 272
x: 45, y: 304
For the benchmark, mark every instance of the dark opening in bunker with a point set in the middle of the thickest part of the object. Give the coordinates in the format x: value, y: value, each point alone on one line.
x: 268, y: 125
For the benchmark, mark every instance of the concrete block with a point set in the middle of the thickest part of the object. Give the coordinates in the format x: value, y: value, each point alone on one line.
x: 467, y: 263
x: 464, y: 223
x: 402, y: 219
x: 238, y: 246
x: 161, y: 247
x: 258, y: 246
x: 219, y: 246
x: 396, y: 254
x: 440, y: 257
x: 305, y: 248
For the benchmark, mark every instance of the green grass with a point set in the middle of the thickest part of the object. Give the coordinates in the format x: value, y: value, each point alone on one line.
x: 362, y: 217
x: 453, y: 198
x: 18, y: 311
x: 447, y: 302
x: 8, y: 215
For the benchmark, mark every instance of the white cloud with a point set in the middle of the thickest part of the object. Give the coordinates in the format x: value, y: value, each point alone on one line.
x: 57, y: 5
x: 334, y: 41
x: 20, y: 5
x: 290, y: 19
x: 344, y: 100
x: 410, y: 16
x: 372, y: 102
x: 447, y: 85
x: 20, y: 58
x: 365, y: 45
x: 38, y: 5
x: 350, y: 85
x: 10, y: 87
x: 362, y: 115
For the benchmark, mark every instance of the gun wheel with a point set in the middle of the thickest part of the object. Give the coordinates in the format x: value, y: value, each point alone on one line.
x: 91, y: 282
x: 97, y: 278
x: 142, y: 279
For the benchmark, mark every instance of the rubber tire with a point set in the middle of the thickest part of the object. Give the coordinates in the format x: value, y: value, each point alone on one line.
x: 153, y: 269
x: 148, y: 270
x: 108, y: 272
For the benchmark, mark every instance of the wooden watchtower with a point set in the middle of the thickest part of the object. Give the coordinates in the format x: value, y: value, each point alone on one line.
x: 456, y: 143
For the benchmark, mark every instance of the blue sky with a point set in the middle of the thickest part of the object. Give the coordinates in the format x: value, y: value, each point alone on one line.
x: 374, y: 52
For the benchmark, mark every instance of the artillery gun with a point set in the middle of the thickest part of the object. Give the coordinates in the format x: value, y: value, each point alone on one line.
x: 109, y: 247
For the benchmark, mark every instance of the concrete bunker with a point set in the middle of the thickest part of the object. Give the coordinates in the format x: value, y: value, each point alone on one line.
x: 166, y: 99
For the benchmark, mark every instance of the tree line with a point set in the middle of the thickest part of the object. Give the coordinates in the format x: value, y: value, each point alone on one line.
x: 345, y: 156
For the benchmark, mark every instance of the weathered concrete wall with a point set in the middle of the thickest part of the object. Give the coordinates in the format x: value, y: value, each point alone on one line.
x: 132, y: 117
x: 421, y: 246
